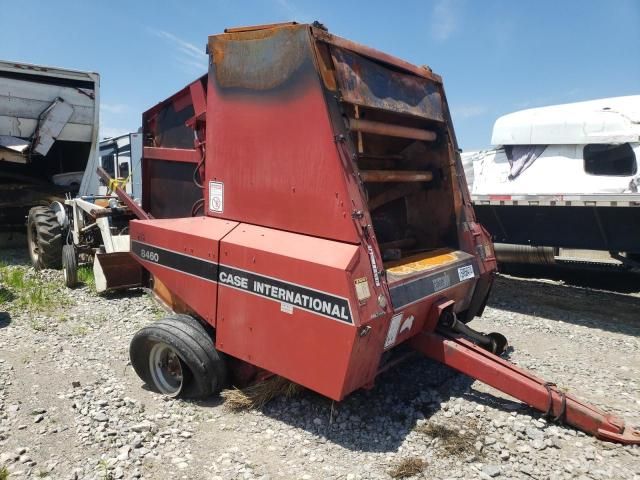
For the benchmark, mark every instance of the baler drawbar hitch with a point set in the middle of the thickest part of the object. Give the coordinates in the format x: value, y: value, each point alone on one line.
x: 478, y: 363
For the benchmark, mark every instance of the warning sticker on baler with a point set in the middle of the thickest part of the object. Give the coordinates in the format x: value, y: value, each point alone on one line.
x: 216, y: 197
x: 392, y: 334
x: 362, y: 289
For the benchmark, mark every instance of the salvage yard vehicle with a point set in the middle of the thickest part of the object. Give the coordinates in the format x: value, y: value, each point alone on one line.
x: 334, y: 235
x: 561, y: 185
x: 95, y: 224
x: 48, y: 134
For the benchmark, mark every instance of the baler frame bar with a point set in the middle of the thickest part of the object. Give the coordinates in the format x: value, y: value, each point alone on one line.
x: 466, y: 357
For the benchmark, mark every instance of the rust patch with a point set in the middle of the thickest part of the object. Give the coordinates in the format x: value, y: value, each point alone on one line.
x: 325, y: 65
x: 252, y: 28
x: 368, y: 83
x: 259, y: 59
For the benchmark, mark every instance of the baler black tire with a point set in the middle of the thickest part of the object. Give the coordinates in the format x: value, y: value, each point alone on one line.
x: 44, y: 235
x: 70, y: 266
x: 203, y: 335
x: 206, y: 371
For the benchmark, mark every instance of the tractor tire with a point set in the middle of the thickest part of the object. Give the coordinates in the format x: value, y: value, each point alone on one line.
x: 176, y: 356
x: 70, y: 266
x: 44, y: 237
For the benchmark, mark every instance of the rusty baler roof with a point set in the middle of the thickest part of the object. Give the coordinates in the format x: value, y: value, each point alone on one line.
x: 322, y: 35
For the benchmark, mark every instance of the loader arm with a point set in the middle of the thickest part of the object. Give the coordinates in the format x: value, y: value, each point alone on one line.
x: 124, y: 196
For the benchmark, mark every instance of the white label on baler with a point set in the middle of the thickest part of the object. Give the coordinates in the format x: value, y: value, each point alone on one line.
x: 392, y: 334
x: 216, y: 197
x: 362, y: 289
x: 465, y: 272
x: 407, y: 324
x: 286, y: 308
x: 374, y: 265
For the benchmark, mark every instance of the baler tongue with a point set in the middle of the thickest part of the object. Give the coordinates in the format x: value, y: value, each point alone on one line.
x: 472, y: 360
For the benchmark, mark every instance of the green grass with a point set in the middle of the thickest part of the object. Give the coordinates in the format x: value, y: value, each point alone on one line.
x: 25, y: 290
x: 85, y: 275
x: 106, y: 474
x: 5, y: 295
x: 80, y: 330
x: 4, y: 473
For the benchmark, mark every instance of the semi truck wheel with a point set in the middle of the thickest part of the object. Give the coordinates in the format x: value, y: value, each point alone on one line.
x: 176, y: 357
x: 70, y: 265
x: 44, y: 236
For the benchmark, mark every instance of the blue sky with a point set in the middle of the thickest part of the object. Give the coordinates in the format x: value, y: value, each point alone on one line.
x: 495, y: 56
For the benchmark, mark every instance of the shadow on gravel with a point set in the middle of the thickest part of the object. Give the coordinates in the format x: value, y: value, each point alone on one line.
x: 118, y: 294
x: 5, y: 319
x: 376, y: 420
x: 611, y: 280
x: 15, y: 256
x: 612, y: 311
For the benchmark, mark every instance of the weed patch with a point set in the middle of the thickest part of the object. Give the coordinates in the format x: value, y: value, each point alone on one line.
x: 453, y: 441
x: 85, y: 276
x: 23, y: 289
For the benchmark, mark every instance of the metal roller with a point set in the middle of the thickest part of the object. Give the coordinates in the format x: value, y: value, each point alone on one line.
x: 512, y: 253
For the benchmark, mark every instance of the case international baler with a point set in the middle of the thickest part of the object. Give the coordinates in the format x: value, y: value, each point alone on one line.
x: 324, y: 228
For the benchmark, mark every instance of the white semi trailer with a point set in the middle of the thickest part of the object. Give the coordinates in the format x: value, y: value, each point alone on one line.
x: 561, y: 184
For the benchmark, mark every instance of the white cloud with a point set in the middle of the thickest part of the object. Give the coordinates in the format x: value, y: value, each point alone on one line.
x: 109, y: 132
x: 468, y: 111
x: 293, y: 13
x: 114, y: 108
x: 190, y: 56
x: 444, y: 19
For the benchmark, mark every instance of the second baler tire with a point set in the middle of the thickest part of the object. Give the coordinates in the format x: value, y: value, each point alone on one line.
x: 189, y: 341
x: 70, y: 266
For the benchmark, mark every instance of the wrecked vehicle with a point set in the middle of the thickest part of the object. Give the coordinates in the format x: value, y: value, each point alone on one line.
x: 48, y: 134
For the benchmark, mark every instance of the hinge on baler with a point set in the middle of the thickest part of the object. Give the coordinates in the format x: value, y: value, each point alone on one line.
x: 357, y: 214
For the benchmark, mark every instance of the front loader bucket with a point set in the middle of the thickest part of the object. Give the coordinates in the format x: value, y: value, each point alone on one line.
x: 114, y: 271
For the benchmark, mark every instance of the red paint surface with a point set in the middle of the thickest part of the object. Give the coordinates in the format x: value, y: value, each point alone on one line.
x: 197, y: 237
x: 278, y: 161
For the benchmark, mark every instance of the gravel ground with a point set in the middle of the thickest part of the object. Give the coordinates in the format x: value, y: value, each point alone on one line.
x: 71, y: 406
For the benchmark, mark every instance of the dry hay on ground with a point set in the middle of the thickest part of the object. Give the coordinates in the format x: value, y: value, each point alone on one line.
x: 259, y: 394
x: 453, y: 440
x: 408, y: 467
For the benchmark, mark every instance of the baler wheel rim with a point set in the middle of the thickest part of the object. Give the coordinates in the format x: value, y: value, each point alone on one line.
x: 166, y: 369
x: 199, y: 333
x: 203, y: 367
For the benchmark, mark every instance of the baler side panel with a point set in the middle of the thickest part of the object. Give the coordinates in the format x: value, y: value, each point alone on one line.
x: 170, y: 153
x: 182, y: 254
x: 285, y: 305
x: 271, y: 153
